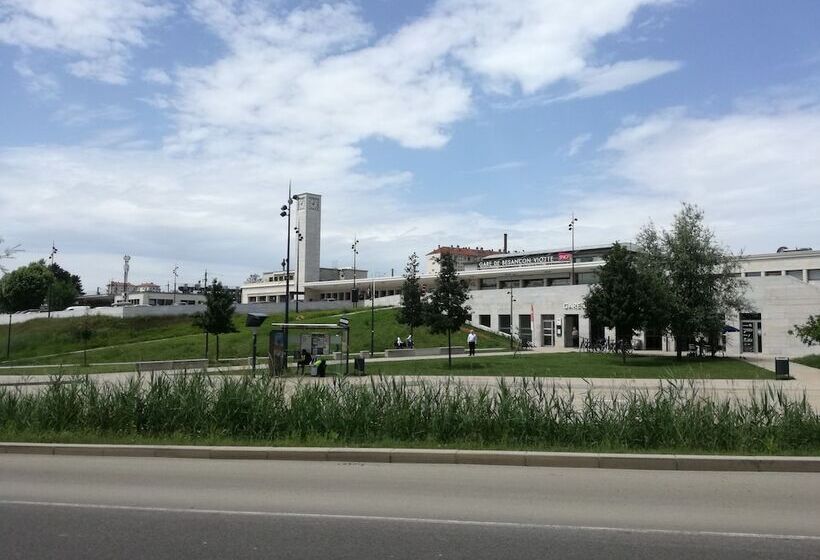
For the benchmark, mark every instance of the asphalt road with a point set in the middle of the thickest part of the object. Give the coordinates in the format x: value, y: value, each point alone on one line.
x: 92, y: 507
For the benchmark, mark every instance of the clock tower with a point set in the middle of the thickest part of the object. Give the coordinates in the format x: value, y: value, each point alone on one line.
x: 309, y: 221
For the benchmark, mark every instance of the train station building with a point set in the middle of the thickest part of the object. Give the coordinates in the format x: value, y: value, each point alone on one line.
x: 538, y: 295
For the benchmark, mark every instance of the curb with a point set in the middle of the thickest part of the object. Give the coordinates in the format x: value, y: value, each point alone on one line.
x: 432, y: 456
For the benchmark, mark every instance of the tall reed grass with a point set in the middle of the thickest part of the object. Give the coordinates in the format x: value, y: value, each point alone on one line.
x: 531, y: 414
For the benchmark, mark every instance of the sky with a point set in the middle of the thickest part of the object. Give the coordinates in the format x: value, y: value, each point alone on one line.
x: 170, y: 130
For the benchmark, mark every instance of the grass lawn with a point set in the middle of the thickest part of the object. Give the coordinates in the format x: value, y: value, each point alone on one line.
x: 55, y: 341
x: 577, y: 364
x: 812, y: 360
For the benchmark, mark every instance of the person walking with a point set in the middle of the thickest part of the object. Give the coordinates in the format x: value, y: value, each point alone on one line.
x: 471, y: 340
x: 409, y: 342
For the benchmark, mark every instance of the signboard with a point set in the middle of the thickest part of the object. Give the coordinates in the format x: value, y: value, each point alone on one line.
x: 525, y: 260
x: 578, y: 306
x: 277, y: 355
x: 747, y: 330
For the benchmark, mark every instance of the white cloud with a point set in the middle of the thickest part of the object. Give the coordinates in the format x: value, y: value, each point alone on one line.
x: 157, y: 76
x: 756, y: 174
x: 504, y: 166
x: 577, y: 143
x: 294, y: 96
x: 97, y: 35
x: 616, y: 77
x: 41, y: 84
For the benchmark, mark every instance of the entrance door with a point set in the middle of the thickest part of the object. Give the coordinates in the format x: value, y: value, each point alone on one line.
x: 548, y: 330
x: 571, y: 337
x: 751, y: 332
x: 525, y: 329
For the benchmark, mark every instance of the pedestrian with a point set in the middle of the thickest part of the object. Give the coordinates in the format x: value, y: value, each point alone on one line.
x: 574, y: 335
x: 303, y: 362
x: 409, y: 342
x: 399, y: 342
x: 471, y: 340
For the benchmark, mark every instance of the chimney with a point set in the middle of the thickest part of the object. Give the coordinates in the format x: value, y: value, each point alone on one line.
x: 505, y: 242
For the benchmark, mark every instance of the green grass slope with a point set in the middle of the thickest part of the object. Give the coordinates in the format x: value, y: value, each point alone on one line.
x: 56, y: 341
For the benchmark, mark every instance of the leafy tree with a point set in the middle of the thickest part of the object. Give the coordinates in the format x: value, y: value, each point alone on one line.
x: 447, y: 309
x: 693, y: 276
x: 65, y: 288
x: 620, y: 298
x: 23, y: 288
x: 809, y: 332
x: 218, y: 315
x: 412, y: 311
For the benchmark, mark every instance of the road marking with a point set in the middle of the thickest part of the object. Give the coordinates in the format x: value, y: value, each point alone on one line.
x: 419, y: 520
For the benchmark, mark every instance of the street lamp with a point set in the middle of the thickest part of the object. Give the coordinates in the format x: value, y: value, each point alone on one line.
x: 299, y: 238
x: 176, y: 274
x: 511, y: 314
x: 285, y: 213
x: 572, y: 252
x: 355, y: 247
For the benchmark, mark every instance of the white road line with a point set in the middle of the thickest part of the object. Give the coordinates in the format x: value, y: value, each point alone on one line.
x: 503, y: 524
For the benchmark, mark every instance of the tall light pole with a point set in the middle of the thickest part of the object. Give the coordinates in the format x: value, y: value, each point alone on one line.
x: 285, y: 212
x: 511, y: 314
x: 572, y: 251
x: 176, y: 275
x: 355, y: 247
x: 372, y: 315
x: 299, y: 239
x: 51, y: 269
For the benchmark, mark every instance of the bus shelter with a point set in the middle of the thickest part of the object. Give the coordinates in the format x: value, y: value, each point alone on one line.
x: 327, y: 340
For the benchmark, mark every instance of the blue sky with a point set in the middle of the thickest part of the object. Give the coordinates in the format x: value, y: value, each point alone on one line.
x: 169, y: 130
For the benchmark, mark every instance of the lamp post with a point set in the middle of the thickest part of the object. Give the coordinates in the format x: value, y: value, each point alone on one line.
x: 511, y: 314
x: 51, y: 269
x: 355, y: 296
x: 285, y: 213
x: 299, y: 239
x: 572, y: 251
x: 372, y: 315
x: 176, y: 274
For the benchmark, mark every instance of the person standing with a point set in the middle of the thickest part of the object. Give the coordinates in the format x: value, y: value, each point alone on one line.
x: 409, y: 342
x: 471, y: 340
x: 574, y: 335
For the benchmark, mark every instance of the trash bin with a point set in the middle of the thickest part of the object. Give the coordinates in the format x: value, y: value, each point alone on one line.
x: 781, y: 368
x: 358, y: 366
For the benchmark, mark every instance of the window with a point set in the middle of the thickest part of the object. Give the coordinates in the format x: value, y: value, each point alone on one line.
x: 488, y: 283
x: 813, y: 274
x: 752, y: 274
x: 795, y: 274
x: 587, y: 277
x: 504, y: 323
x: 734, y: 275
x: 507, y: 284
x: 532, y: 283
x: 774, y: 273
x: 251, y: 299
x: 484, y: 320
x: 558, y: 281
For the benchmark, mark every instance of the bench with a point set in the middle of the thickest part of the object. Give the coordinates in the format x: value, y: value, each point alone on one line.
x: 168, y: 365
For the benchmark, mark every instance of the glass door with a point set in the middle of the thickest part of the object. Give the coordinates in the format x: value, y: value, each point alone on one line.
x: 548, y: 330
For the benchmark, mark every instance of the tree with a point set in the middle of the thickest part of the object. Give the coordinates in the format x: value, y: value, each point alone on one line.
x: 808, y: 333
x: 26, y: 287
x: 447, y: 309
x: 693, y: 275
x: 65, y: 288
x: 21, y: 289
x: 412, y: 307
x: 218, y: 315
x: 620, y: 298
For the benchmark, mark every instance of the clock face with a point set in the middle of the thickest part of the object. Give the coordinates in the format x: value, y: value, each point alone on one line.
x: 313, y: 203
x: 301, y: 203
